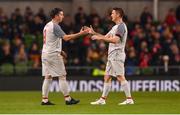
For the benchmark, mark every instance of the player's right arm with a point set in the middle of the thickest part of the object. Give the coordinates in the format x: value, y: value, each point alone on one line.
x: 119, y: 32
x: 60, y: 33
x: 107, y: 38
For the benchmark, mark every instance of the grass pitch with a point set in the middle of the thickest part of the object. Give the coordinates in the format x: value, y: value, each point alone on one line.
x: 24, y: 102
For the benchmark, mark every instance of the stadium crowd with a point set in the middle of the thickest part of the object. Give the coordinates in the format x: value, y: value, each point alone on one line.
x: 149, y: 42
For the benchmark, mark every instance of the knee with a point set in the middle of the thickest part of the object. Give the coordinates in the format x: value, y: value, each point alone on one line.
x: 62, y: 78
x: 107, y: 79
x: 121, y: 78
x: 48, y: 77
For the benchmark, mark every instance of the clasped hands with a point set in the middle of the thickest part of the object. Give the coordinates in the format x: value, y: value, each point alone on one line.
x: 90, y: 31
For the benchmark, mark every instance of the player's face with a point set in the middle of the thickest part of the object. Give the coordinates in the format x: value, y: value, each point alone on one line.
x: 114, y: 16
x: 60, y: 16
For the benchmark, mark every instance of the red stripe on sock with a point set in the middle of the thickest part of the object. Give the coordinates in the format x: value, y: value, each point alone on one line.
x: 66, y: 96
x: 129, y: 97
x: 104, y: 98
x: 45, y: 97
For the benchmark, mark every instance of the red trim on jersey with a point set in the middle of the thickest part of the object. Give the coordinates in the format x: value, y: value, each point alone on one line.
x: 44, y: 37
x: 118, y: 35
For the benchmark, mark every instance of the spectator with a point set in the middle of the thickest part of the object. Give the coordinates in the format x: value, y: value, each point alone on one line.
x: 16, y: 43
x: 92, y: 15
x: 3, y: 17
x: 28, y: 12
x: 92, y: 56
x: 80, y: 16
x: 147, y: 40
x: 67, y: 24
x: 37, y: 25
x: 6, y: 54
x: 80, y: 19
x: 21, y: 55
x: 42, y: 15
x: 131, y: 57
x: 171, y: 17
x: 145, y: 56
x: 146, y: 16
x: 34, y: 56
x: 178, y: 13
x: 175, y: 56
x: 18, y: 15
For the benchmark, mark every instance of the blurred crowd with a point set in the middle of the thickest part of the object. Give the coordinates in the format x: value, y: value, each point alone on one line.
x: 150, y: 42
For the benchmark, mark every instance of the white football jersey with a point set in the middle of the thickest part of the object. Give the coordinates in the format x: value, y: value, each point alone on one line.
x: 114, y: 50
x: 52, y: 38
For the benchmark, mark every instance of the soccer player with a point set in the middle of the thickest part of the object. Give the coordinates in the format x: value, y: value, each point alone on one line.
x: 52, y: 56
x: 116, y: 57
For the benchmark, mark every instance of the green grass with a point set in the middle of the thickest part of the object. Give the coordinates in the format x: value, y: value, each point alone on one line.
x: 145, y: 102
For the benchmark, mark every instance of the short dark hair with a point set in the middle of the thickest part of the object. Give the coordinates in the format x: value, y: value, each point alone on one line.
x: 119, y: 11
x: 55, y: 12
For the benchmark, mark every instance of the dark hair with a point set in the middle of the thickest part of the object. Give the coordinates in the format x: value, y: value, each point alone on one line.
x: 55, y: 12
x: 119, y: 11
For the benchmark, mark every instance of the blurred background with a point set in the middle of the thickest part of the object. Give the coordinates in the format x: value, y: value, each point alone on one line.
x: 152, y: 49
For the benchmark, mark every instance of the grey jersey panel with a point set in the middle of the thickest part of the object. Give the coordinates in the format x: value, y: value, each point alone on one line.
x: 58, y: 31
x: 120, y: 31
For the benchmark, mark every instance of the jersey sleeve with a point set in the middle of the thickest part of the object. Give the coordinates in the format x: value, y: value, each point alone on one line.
x: 58, y: 31
x: 108, y: 34
x: 120, y: 31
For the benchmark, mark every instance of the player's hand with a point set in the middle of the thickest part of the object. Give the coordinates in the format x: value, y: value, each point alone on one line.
x: 94, y: 37
x: 92, y: 30
x: 84, y: 30
x: 64, y: 54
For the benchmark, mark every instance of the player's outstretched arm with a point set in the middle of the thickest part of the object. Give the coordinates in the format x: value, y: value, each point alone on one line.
x: 107, y: 38
x: 92, y: 32
x: 76, y: 35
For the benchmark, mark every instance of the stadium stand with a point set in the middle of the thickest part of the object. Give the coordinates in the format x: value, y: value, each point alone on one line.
x: 149, y: 41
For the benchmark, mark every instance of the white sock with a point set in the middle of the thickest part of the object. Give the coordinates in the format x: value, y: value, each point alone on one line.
x: 106, y: 89
x: 45, y: 89
x: 67, y: 98
x: 126, y: 88
x: 64, y: 89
